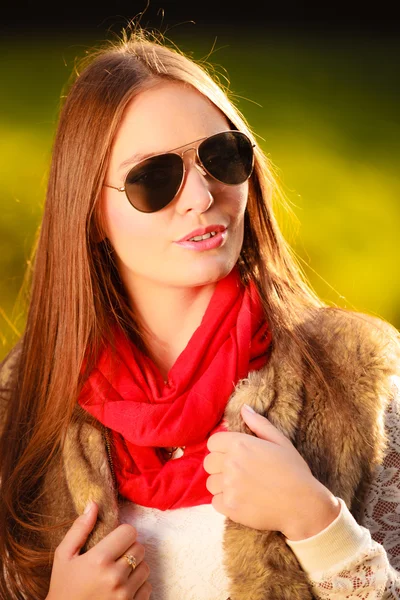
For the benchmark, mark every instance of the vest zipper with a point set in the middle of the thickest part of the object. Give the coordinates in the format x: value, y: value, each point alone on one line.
x: 110, y: 460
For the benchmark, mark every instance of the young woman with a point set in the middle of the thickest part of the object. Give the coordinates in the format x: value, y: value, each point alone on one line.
x: 164, y: 300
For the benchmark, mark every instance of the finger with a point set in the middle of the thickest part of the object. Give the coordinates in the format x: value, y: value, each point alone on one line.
x: 263, y: 428
x: 221, y: 441
x: 115, y: 544
x: 137, y: 550
x: 144, y: 591
x: 219, y: 505
x: 214, y: 484
x: 214, y: 462
x: 137, y: 578
x: 77, y: 535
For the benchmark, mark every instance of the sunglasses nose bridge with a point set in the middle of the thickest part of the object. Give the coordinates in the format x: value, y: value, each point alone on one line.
x: 194, y: 160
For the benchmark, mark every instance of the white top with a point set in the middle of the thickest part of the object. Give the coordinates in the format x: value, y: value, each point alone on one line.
x: 179, y: 568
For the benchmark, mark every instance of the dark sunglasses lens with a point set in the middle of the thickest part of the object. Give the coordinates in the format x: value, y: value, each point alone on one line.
x: 227, y: 157
x: 152, y: 184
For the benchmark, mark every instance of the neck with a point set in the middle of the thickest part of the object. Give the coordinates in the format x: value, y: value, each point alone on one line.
x: 168, y: 317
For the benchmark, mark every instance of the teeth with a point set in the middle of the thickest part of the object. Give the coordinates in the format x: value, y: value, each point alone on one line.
x: 198, y: 238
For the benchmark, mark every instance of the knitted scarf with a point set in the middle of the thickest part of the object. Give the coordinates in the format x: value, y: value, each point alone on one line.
x: 126, y: 392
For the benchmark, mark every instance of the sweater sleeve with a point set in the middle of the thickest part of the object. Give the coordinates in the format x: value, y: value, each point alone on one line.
x: 351, y: 561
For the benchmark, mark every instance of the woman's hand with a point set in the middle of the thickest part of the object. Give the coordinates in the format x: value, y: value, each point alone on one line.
x: 264, y: 483
x: 102, y: 572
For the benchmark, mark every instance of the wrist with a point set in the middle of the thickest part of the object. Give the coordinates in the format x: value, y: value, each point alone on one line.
x: 319, y: 511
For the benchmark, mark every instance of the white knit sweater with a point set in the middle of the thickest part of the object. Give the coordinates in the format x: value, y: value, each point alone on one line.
x: 345, y: 561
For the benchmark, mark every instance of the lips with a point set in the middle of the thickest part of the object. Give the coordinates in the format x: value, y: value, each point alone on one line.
x: 203, y: 231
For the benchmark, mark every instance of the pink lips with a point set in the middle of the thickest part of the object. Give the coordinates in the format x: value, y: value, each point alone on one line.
x: 203, y: 231
x: 208, y: 244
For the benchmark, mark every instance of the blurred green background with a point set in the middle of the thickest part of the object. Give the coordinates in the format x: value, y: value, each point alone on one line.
x: 325, y: 107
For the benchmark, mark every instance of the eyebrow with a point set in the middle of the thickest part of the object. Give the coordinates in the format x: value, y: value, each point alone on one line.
x: 136, y: 158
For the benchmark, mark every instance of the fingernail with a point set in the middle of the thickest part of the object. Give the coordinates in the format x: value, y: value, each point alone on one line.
x: 247, y: 407
x: 88, y: 507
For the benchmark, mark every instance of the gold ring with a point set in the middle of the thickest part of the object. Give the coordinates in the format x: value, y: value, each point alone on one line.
x: 131, y: 560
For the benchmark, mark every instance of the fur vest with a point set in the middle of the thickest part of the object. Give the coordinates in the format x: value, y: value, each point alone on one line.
x: 340, y: 435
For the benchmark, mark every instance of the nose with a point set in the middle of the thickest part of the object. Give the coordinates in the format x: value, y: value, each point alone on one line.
x: 195, y: 192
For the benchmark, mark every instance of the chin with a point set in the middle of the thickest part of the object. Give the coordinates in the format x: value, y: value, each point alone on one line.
x: 211, y: 272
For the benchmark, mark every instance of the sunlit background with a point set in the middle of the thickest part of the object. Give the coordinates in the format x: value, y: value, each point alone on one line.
x: 323, y: 102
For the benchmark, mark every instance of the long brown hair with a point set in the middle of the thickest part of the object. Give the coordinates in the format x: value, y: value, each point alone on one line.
x: 76, y: 293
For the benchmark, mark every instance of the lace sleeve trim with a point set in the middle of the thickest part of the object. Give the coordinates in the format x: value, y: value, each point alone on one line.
x: 382, y: 512
x: 373, y: 572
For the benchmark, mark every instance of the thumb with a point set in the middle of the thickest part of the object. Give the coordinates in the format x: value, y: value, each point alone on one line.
x: 78, y: 533
x: 262, y: 427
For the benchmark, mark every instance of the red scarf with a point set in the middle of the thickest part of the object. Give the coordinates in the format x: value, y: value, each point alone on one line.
x: 130, y: 397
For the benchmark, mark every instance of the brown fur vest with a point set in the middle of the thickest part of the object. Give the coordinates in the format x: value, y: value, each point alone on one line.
x: 340, y: 435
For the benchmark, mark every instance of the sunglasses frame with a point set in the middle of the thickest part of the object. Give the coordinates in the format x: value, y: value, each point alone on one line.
x: 181, y: 154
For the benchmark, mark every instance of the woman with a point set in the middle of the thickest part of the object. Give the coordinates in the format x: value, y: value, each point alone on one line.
x: 164, y: 300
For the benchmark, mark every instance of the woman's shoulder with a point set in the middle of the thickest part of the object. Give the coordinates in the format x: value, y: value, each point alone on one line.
x: 344, y: 329
x: 358, y: 346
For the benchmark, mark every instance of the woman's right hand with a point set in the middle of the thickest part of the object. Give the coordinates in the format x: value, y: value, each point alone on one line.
x: 102, y: 572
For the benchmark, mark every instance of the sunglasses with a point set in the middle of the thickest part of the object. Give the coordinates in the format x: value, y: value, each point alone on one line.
x: 154, y: 182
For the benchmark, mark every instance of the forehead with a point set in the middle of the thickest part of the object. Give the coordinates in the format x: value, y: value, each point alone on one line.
x: 164, y: 117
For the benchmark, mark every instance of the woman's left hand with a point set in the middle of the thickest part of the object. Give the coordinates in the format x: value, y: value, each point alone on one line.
x: 264, y: 483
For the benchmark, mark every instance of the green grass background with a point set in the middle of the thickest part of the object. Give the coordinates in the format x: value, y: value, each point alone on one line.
x: 325, y: 107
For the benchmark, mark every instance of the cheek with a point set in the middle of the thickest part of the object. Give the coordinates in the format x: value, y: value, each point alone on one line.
x: 124, y: 226
x: 235, y: 200
x: 132, y: 236
x: 238, y: 202
x: 242, y: 198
